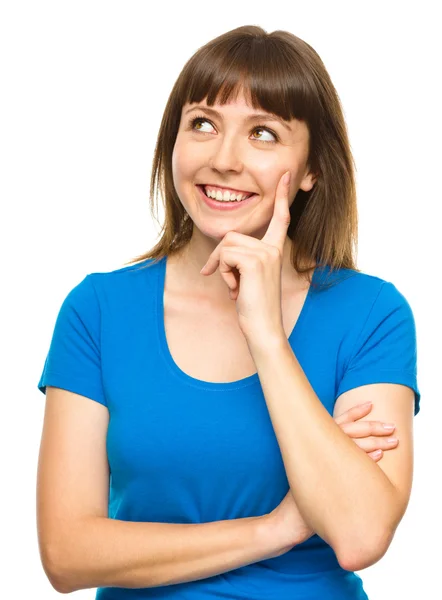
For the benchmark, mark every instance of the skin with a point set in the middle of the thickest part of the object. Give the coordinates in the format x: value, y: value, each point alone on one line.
x: 234, y: 153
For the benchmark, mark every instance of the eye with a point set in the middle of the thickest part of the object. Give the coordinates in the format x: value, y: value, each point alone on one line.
x: 261, y: 128
x: 199, y: 120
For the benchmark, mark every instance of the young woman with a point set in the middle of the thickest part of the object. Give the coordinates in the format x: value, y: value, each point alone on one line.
x: 227, y: 452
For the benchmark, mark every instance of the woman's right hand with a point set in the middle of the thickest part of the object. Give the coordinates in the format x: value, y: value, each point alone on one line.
x: 285, y: 521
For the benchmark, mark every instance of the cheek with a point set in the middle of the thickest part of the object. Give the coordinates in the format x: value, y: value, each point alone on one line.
x: 185, y: 162
x: 177, y: 160
x: 268, y: 169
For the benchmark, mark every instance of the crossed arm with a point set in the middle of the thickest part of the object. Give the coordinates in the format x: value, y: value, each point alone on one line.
x: 365, y: 500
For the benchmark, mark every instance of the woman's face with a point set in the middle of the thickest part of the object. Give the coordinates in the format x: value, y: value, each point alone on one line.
x: 228, y: 149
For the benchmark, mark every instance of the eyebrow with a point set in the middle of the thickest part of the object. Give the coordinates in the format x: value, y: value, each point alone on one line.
x: 254, y: 117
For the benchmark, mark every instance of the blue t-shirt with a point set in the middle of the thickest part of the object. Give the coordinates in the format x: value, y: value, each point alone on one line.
x: 183, y: 450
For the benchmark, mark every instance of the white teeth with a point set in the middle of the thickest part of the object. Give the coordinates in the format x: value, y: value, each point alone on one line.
x: 226, y: 196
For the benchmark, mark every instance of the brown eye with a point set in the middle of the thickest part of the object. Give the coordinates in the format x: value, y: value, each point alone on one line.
x: 197, y: 121
x: 268, y: 131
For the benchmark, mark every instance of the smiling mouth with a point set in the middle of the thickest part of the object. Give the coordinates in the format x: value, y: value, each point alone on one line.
x: 222, y: 189
x: 202, y: 187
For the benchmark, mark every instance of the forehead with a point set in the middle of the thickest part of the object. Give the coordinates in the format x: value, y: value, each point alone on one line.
x: 234, y: 105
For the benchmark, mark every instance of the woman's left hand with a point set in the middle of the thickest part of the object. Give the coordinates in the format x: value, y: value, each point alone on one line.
x: 257, y: 286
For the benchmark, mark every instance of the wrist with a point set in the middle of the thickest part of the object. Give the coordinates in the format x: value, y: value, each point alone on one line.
x: 270, y: 538
x: 277, y: 535
x: 264, y: 345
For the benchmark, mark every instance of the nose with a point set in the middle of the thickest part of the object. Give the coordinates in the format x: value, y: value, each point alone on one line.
x: 225, y: 156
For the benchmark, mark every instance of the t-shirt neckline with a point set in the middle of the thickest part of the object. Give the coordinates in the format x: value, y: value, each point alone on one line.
x: 175, y: 370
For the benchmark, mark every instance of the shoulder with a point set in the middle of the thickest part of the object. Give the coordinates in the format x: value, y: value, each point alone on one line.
x: 126, y: 272
x: 359, y: 290
x: 122, y: 279
x: 355, y: 305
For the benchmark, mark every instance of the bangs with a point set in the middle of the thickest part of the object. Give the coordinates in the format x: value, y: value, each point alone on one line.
x: 270, y: 76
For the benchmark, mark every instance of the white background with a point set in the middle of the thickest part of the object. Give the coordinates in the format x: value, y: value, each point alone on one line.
x: 83, y: 89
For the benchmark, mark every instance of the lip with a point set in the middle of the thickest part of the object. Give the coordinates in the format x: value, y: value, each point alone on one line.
x: 217, y: 205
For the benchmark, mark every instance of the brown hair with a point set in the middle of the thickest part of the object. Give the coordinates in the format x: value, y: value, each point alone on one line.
x: 282, y: 74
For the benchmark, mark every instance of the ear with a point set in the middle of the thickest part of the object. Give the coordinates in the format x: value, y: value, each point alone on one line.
x: 308, y: 182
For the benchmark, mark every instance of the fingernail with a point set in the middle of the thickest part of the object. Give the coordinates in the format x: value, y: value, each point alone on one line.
x: 367, y: 404
x: 286, y: 178
x: 388, y: 425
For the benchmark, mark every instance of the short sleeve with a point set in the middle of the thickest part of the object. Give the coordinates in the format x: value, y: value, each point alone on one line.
x: 385, y: 351
x: 73, y: 361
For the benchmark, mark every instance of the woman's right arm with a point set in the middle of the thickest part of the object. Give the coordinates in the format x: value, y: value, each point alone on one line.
x: 82, y: 548
x: 107, y: 552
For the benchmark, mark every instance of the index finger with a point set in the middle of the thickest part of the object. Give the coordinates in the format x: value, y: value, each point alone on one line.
x: 277, y: 229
